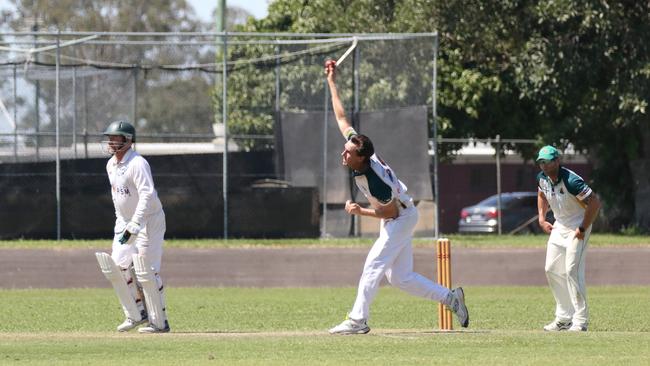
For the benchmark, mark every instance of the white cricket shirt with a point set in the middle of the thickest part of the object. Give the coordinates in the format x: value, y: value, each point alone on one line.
x: 565, y: 196
x: 379, y: 183
x: 132, y: 188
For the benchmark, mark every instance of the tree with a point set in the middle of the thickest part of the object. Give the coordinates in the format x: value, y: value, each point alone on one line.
x: 563, y: 72
x: 588, y: 69
x: 165, y: 100
x: 251, y: 87
x: 105, y: 15
x: 235, y: 16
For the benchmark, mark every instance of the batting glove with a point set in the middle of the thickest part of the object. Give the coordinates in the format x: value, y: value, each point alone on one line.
x: 132, y: 228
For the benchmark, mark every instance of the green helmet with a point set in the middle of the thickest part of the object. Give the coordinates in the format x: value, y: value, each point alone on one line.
x: 121, y: 128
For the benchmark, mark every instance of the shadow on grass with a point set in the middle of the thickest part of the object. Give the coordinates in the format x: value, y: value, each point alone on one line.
x: 323, y: 333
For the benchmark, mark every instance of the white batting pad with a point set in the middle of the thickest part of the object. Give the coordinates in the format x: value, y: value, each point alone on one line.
x: 114, y: 275
x: 153, y: 292
x: 137, y: 291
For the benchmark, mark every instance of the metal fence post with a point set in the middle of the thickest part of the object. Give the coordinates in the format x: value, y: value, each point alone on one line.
x: 224, y: 116
x: 15, y: 116
x: 279, y: 150
x: 74, y: 110
x: 323, y: 232
x: 498, y: 156
x: 37, y: 117
x: 356, y: 60
x: 134, y: 105
x: 85, y: 109
x: 434, y: 112
x: 58, y: 138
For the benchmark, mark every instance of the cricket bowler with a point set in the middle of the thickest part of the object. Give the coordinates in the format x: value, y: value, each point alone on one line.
x: 392, y: 254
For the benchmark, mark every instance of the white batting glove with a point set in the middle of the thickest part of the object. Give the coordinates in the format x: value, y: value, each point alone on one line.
x: 132, y: 229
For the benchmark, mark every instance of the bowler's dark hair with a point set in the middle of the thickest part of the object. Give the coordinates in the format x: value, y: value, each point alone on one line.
x: 364, y: 146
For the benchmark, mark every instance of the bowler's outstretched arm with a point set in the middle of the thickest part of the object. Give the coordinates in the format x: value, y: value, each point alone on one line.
x: 344, y: 125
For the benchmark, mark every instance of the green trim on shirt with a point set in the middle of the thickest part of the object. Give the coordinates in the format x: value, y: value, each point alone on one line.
x: 378, y: 188
x: 573, y: 182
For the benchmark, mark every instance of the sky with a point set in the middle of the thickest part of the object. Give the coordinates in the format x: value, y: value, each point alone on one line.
x: 204, y: 8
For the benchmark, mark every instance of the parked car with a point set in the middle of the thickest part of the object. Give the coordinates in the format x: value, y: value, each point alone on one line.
x: 518, y: 215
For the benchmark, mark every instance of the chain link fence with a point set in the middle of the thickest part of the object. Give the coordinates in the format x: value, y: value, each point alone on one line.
x: 216, y: 95
x: 194, y: 96
x: 482, y: 168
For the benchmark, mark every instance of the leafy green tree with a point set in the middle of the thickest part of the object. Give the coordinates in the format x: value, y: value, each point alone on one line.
x: 563, y: 72
x: 235, y: 16
x: 586, y: 67
x: 104, y: 15
x: 155, y: 90
x: 251, y: 87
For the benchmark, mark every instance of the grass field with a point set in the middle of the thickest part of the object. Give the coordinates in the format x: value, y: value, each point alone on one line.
x: 288, y: 326
x: 466, y: 241
x: 234, y: 326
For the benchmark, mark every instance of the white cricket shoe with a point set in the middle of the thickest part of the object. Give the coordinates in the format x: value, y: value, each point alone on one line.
x: 150, y: 328
x: 351, y: 326
x: 557, y: 325
x: 129, y: 324
x: 578, y: 328
x: 457, y: 305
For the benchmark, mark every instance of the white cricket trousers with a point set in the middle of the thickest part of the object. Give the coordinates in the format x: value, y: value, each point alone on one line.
x: 392, y: 255
x: 565, y: 271
x: 148, y: 243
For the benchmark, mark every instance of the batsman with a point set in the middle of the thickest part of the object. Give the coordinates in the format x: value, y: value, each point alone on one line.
x: 391, y: 255
x: 134, y: 264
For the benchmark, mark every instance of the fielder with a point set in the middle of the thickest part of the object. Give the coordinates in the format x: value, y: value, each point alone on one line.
x: 575, y: 207
x: 391, y: 254
x: 134, y: 264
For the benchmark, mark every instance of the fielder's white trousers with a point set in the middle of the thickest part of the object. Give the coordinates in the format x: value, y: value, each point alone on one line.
x: 392, y: 255
x: 148, y: 243
x: 565, y: 271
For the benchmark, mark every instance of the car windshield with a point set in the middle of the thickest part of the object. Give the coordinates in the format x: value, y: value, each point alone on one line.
x: 506, y: 200
x: 490, y: 201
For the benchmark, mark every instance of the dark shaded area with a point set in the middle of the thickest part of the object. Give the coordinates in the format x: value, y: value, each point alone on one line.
x: 189, y: 186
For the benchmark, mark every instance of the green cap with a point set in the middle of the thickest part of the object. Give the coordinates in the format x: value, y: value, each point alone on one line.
x: 548, y: 152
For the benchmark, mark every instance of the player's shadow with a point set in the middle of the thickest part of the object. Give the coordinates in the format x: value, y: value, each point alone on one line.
x: 251, y: 333
x: 381, y: 333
